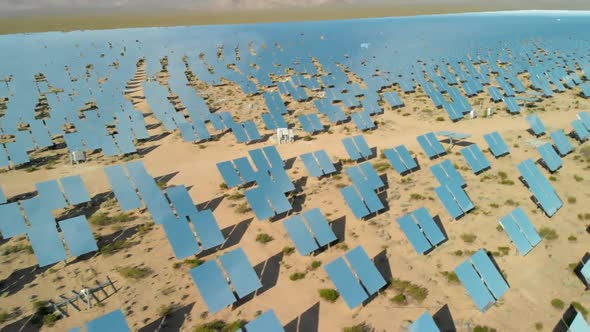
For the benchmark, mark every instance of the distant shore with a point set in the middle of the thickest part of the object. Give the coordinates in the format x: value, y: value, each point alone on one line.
x: 28, y: 23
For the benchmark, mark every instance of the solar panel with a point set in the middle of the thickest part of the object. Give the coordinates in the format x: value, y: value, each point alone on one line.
x: 426, y: 144
x: 301, y: 236
x: 526, y: 226
x: 37, y: 213
x: 516, y: 235
x: 355, y: 202
x: 75, y: 190
x: 448, y: 201
x: 78, y: 236
x: 550, y: 157
x: 109, y: 148
x: 414, y: 234
x: 124, y: 191
x: 187, y: 132
x: 537, y: 126
x: 424, y: 323
x: 212, y: 285
x: 351, y: 148
x: 579, y: 324
x: 181, y: 201
x: 3, y: 157
x: 496, y: 144
x: 180, y: 237
x: 51, y: 195
x: 252, y: 131
x: 445, y: 172
x: 365, y: 269
x: 373, y: 179
x: 325, y: 162
x: 12, y: 222
x: 345, y: 281
x: 363, y: 147
x: 112, y: 322
x: 259, y: 158
x: 475, y: 286
x: 475, y: 158
x: 370, y: 198
x: 561, y: 142
x: 267, y: 322
x: 319, y: 226
x: 586, y: 272
x: 257, y: 199
x: 240, y: 272
x: 47, y: 244
x: 429, y: 227
x: 581, y: 131
x: 312, y: 165
x: 585, y: 118
x: 230, y: 175
x: 492, y: 277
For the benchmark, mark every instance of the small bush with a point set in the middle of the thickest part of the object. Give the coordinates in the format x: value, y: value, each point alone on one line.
x: 578, y: 178
x: 538, y: 326
x: 451, y: 276
x: 133, y: 272
x: 102, y: 219
x: 572, y: 200
x: 416, y: 292
x: 4, y: 316
x: 440, y: 119
x: 552, y: 178
x: 494, y: 205
x: 548, y: 233
x: 114, y: 247
x: 502, y: 175
x: 243, y: 208
x: 504, y: 250
x: 235, y: 196
x: 507, y: 182
x: 416, y: 196
x: 572, y: 238
x: 480, y: 328
x: 511, y: 202
x: 315, y: 265
x: 499, y: 228
x: 16, y: 249
x: 581, y: 309
x: 358, y: 328
x: 342, y: 246
x: 328, y: 294
x: 219, y: 326
x: 162, y: 185
x: 223, y: 185
x: 166, y: 310
x: 381, y: 166
x: 468, y: 237
x: 263, y: 238
x: 399, y: 299
x: 308, y: 138
x: 458, y: 253
x: 297, y: 276
x: 288, y: 250
x: 557, y: 304
x: 49, y: 320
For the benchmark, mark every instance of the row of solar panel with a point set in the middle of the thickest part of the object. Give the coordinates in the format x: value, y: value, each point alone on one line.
x: 521, y: 231
x: 310, y: 231
x: 239, y: 171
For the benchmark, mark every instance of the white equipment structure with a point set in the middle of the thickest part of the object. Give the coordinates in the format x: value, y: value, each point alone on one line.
x: 77, y: 157
x: 489, y: 112
x: 472, y: 114
x: 285, y: 135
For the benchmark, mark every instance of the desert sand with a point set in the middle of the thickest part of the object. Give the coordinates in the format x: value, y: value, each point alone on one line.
x: 534, y: 280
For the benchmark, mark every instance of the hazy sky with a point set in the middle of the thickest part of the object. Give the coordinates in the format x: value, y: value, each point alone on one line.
x: 40, y: 6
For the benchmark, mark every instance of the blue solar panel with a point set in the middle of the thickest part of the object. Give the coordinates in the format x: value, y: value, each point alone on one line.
x: 240, y: 133
x: 550, y: 157
x: 491, y: 276
x: 124, y: 191
x: 109, y: 148
x: 112, y: 322
x: 365, y: 269
x: 395, y: 160
x: 50, y: 194
x: 211, y: 282
x: 319, y: 226
x: 75, y: 190
x: 355, y: 202
x: 424, y: 323
x: 37, y: 213
x: 3, y: 157
x: 301, y: 236
x: 561, y: 142
x: 180, y: 237
x: 259, y: 203
x: 259, y: 158
x: 346, y: 283
x: 267, y: 322
x: 78, y: 235
x: 245, y: 169
x: 414, y: 234
x: 12, y: 222
x: 586, y: 272
x: 370, y: 198
x: 252, y: 131
x: 516, y: 235
x: 311, y: 164
x: 187, y: 132
x: 579, y: 324
x: 475, y: 158
x: 526, y: 226
x: 373, y: 179
x: 461, y: 197
x: 279, y: 202
x: 363, y: 147
x: 475, y: 286
x: 425, y: 144
x: 351, y: 148
x: 47, y: 244
x: 537, y: 125
x: 181, y: 201
x: 325, y: 162
x: 207, y: 229
x: 306, y: 124
x: 273, y: 156
x: 229, y: 174
x: 581, y: 131
x: 429, y: 227
x: 585, y: 118
x: 240, y: 272
x: 448, y: 201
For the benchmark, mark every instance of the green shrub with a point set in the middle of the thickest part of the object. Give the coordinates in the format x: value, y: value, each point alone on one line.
x: 504, y: 250
x: 297, y: 276
x: 458, y: 253
x: 451, y: 276
x: 578, y: 178
x: 381, y: 166
x: 502, y: 175
x: 102, y: 219
x: 548, y: 233
x: 114, y: 247
x: 572, y: 238
x: 263, y: 238
x: 499, y: 228
x: 328, y: 294
x: 552, y: 178
x: 511, y: 202
x: 315, y: 265
x: 468, y: 237
x: 581, y: 309
x: 440, y: 119
x: 572, y: 200
x: 166, y: 310
x: 308, y: 138
x: 4, y: 316
x: 480, y: 328
x: 288, y: 250
x: 219, y: 326
x: 243, y: 208
x: 414, y: 291
x: 494, y: 205
x: 49, y: 320
x: 342, y: 246
x: 538, y: 326
x: 223, y: 185
x: 133, y: 272
x: 235, y: 196
x: 416, y: 196
x: 557, y: 304
x: 358, y: 328
x: 16, y: 249
x: 399, y: 299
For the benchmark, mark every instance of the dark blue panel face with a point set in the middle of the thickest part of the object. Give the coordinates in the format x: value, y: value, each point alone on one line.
x: 429, y: 227
x: 181, y: 201
x: 490, y: 274
x: 413, y: 233
x: 449, y: 203
x: 240, y: 272
x: 365, y: 269
x: 346, y: 283
x: 312, y: 165
x: 78, y: 236
x: 75, y: 190
x: 319, y: 227
x: 229, y: 174
x: 301, y: 235
x: 187, y: 132
x: 355, y: 202
x: 351, y: 148
x: 526, y: 226
x: 395, y: 160
x: 114, y: 321
x: 325, y: 162
x: 424, y: 323
x: 47, y: 245
x: 213, y: 287
x: 259, y: 203
x: 267, y: 322
x: 50, y: 195
x: 124, y: 191
x: 180, y: 236
x: 475, y: 286
x: 561, y: 142
x: 12, y: 222
x: 207, y: 229
x: 362, y: 146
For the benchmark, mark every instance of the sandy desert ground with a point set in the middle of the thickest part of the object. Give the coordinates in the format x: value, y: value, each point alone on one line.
x: 535, y: 280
